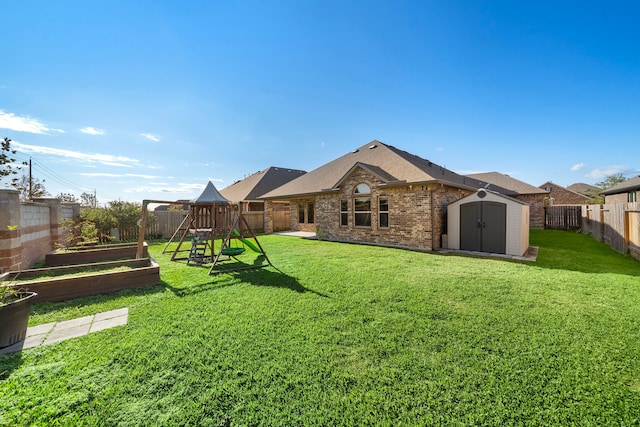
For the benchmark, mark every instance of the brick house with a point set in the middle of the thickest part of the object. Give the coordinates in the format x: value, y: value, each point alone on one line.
x: 509, y: 186
x: 624, y: 192
x: 247, y: 191
x: 558, y: 195
x: 375, y: 194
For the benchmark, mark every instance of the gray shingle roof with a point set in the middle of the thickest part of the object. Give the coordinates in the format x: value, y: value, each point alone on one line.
x: 582, y: 188
x: 623, y: 187
x: 259, y: 183
x: 385, y: 161
x: 514, y: 186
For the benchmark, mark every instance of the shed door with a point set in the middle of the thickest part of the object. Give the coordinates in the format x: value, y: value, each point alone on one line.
x: 483, y: 227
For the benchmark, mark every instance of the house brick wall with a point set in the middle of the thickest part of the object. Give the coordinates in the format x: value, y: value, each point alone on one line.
x: 562, y: 196
x: 417, y: 214
x: 536, y: 208
x: 616, y: 198
x: 303, y: 226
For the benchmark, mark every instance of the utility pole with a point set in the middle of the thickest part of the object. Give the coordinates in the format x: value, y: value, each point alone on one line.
x: 30, y: 181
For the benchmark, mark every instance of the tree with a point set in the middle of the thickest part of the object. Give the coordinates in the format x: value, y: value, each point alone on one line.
x: 29, y: 188
x: 89, y: 200
x: 67, y: 198
x: 7, y: 161
x: 611, y: 180
x: 126, y: 214
x: 102, y: 219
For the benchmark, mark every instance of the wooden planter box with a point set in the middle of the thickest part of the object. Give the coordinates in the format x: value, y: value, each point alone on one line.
x: 94, y: 254
x: 145, y: 272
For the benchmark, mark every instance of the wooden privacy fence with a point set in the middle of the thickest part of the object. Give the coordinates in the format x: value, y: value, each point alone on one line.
x: 617, y: 225
x: 563, y: 217
x: 164, y: 223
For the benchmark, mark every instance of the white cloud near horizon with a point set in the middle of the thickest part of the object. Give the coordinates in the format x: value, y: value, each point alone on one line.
x: 578, y: 167
x: 606, y: 171
x: 23, y: 124
x: 150, y: 137
x: 118, y: 175
x: 163, y: 188
x: 105, y: 159
x: 90, y: 130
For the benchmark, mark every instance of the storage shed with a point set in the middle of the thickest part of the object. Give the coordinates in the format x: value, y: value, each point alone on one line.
x: 486, y: 221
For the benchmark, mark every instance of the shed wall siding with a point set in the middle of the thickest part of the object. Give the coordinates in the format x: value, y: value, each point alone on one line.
x: 517, y: 226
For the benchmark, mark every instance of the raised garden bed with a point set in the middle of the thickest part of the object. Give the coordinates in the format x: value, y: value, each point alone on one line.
x: 140, y: 273
x: 86, y: 255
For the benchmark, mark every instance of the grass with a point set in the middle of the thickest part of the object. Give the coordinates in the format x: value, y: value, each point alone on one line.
x: 350, y: 335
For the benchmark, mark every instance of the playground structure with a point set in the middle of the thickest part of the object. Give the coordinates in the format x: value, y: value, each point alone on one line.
x: 211, y: 217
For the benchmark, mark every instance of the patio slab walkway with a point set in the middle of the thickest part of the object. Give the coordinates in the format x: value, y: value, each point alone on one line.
x: 50, y: 333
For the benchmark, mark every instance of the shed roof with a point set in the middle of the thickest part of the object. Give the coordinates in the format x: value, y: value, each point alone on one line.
x: 259, y: 183
x: 623, y: 187
x: 391, y: 165
x: 514, y: 186
x: 495, y: 193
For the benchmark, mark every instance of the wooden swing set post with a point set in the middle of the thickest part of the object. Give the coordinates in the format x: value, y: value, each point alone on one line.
x: 240, y: 223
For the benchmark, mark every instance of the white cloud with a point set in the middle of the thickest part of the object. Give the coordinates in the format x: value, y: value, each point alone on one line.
x: 90, y: 130
x: 163, y: 188
x: 118, y: 175
x: 105, y: 159
x: 607, y: 171
x: 22, y: 124
x: 150, y: 137
x: 578, y: 167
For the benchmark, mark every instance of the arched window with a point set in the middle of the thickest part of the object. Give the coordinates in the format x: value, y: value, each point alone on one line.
x: 362, y: 189
x: 362, y: 206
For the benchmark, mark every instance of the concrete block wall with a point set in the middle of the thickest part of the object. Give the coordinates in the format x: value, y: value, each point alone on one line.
x: 28, y: 231
x: 10, y: 244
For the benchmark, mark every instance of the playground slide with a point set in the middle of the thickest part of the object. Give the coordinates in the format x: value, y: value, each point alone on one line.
x: 246, y: 242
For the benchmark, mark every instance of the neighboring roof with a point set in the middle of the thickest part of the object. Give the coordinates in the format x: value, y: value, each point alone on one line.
x: 515, y: 186
x: 259, y: 183
x: 551, y: 183
x: 209, y: 196
x: 582, y: 188
x: 389, y: 164
x: 623, y: 187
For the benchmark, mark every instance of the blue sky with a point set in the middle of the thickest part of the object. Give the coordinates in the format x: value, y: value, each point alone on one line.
x: 152, y: 99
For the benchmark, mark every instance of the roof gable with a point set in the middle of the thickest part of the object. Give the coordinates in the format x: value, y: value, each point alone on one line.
x: 555, y: 188
x: 388, y: 163
x: 374, y: 170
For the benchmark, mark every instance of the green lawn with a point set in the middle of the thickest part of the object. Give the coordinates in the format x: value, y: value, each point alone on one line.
x: 351, y: 335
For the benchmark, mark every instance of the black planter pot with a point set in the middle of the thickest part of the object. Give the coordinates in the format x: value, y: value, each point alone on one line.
x: 14, y: 319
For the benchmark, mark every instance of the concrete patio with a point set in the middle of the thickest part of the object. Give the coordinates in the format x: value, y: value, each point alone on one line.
x: 50, y: 333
